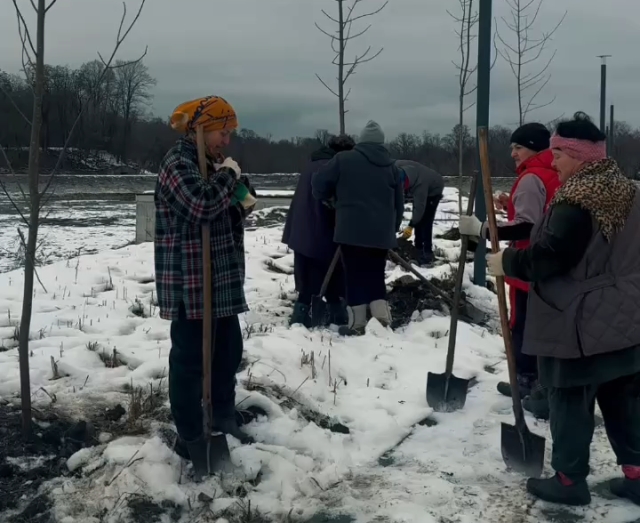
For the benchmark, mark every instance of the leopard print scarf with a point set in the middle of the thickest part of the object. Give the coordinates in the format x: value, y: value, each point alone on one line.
x: 602, y: 189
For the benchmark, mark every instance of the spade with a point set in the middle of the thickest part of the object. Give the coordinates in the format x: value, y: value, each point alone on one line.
x: 446, y: 392
x: 318, y: 305
x: 522, y: 450
x: 210, y: 454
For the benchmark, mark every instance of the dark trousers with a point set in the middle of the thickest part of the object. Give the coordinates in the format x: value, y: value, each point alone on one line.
x: 525, y: 364
x: 364, y: 272
x: 185, y: 372
x: 309, y: 274
x: 572, y: 423
x: 424, y: 228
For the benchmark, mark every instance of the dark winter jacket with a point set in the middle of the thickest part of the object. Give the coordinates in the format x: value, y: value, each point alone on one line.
x: 368, y: 194
x: 423, y: 183
x: 310, y: 223
x: 584, y: 266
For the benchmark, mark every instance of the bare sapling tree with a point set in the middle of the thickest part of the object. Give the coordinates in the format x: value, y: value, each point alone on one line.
x: 523, y: 49
x: 340, y: 38
x: 466, y: 19
x: 35, y: 198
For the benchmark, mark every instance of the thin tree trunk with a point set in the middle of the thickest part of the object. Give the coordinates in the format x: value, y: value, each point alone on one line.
x: 341, y: 67
x: 460, y: 149
x: 34, y: 216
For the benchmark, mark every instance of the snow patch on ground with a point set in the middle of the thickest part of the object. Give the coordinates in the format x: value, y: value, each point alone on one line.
x: 96, y: 334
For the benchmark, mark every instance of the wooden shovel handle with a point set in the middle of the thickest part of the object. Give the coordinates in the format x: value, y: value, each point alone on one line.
x: 330, y: 271
x: 208, y: 324
x: 483, y: 142
x: 457, y: 291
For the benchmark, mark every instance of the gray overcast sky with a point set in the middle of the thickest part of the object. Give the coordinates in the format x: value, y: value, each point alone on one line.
x: 263, y: 55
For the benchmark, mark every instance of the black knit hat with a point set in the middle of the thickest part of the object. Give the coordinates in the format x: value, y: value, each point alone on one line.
x: 534, y: 136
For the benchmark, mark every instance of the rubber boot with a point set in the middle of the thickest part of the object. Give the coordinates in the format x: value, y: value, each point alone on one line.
x: 180, y: 448
x: 357, y: 321
x: 338, y: 314
x: 560, y: 489
x: 426, y: 259
x: 301, y: 315
x: 381, y: 311
x: 229, y: 425
x: 629, y: 486
x: 197, y: 450
x: 525, y: 383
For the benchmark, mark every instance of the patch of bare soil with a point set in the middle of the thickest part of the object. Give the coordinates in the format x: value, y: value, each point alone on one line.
x: 267, y: 217
x: 407, y: 251
x: 452, y: 234
x: 26, y: 464
x: 409, y: 295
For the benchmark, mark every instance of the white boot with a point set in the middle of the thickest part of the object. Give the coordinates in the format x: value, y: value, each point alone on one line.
x: 357, y: 321
x: 381, y: 311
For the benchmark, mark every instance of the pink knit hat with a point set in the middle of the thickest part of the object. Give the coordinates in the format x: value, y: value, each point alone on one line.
x: 583, y: 150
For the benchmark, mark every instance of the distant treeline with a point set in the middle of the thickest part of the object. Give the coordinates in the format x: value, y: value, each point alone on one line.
x: 116, y: 120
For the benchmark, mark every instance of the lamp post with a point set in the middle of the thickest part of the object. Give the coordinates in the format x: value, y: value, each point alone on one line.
x: 603, y: 91
x: 482, y: 120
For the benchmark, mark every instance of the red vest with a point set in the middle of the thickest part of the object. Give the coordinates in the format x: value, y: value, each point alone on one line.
x: 539, y: 165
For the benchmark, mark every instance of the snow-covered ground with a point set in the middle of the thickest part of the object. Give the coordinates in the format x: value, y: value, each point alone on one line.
x: 392, y: 466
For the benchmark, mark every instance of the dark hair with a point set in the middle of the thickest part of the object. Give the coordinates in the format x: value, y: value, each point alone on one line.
x: 341, y: 143
x: 580, y: 128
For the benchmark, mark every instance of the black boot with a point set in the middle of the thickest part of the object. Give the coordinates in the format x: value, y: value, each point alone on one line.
x: 559, y: 489
x: 426, y: 259
x: 229, y: 425
x: 525, y: 383
x: 180, y: 448
x: 301, y: 314
x: 338, y: 314
x: 626, y: 488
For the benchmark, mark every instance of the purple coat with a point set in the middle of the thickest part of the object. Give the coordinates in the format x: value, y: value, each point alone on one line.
x: 310, y: 224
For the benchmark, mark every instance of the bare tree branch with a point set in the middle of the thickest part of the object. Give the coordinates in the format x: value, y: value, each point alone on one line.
x: 107, y: 67
x: 53, y: 2
x: 23, y: 23
x: 351, y: 19
x: 523, y: 50
x: 467, y: 21
x: 23, y: 241
x: 339, y: 42
x: 5, y: 190
x: 325, y: 84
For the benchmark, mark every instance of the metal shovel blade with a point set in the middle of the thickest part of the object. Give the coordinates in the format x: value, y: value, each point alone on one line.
x: 446, y: 393
x: 522, y: 451
x: 210, y: 456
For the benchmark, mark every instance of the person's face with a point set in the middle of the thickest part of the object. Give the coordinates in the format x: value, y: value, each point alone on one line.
x: 216, y: 141
x: 520, y: 153
x: 565, y: 165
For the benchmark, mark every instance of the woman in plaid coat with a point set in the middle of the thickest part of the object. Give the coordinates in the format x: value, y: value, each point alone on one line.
x: 184, y: 202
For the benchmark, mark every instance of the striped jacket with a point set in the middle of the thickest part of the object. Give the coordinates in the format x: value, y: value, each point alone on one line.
x: 184, y: 201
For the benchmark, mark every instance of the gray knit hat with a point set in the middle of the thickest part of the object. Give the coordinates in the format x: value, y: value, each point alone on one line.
x: 372, y: 133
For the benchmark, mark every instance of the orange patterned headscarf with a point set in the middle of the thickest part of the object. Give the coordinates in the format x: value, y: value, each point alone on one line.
x: 212, y: 112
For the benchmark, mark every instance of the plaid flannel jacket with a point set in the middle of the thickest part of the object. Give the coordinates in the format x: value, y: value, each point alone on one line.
x: 184, y: 202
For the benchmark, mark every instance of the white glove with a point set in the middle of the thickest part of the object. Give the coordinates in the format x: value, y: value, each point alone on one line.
x: 470, y: 226
x: 233, y: 165
x: 494, y: 264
